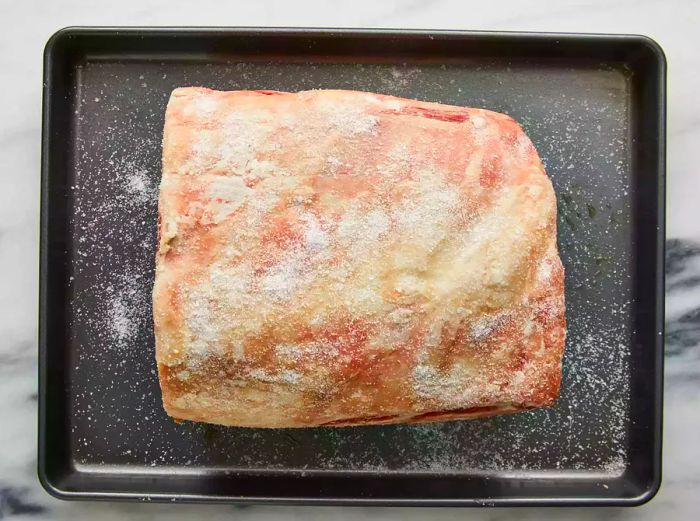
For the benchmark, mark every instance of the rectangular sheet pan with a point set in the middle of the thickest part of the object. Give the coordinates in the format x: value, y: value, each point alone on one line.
x: 594, y: 106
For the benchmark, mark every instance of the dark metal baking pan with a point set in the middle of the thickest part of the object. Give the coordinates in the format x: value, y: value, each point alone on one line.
x: 594, y: 105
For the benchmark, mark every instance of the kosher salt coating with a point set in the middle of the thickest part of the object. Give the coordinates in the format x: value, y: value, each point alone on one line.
x: 346, y: 258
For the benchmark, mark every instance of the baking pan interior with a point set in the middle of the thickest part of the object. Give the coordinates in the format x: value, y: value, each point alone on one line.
x: 590, y: 105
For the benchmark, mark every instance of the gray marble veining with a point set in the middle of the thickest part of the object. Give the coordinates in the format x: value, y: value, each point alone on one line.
x: 29, y: 24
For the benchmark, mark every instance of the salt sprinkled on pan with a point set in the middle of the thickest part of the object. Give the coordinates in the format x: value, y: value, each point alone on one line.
x: 587, y: 429
x: 139, y: 185
x: 125, y: 303
x: 136, y: 187
x: 121, y: 322
x: 399, y: 78
x: 127, y: 309
x: 616, y: 465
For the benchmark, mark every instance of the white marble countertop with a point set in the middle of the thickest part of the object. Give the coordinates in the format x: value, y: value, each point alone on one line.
x: 29, y: 23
